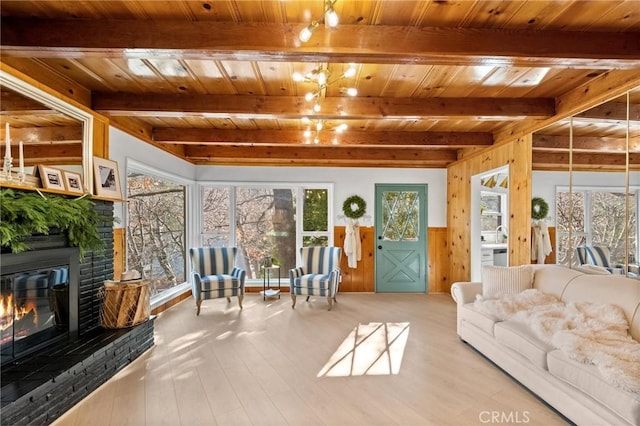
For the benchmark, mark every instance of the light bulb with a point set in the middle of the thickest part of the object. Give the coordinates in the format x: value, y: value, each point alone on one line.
x: 322, y: 78
x: 307, y: 133
x: 352, y: 91
x: 305, y: 120
x: 309, y: 96
x: 316, y: 107
x: 316, y: 140
x: 297, y: 77
x: 331, y: 18
x: 319, y: 126
x: 350, y: 72
x: 341, y: 128
x: 307, y: 31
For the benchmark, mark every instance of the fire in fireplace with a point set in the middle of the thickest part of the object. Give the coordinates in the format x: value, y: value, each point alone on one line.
x: 38, y: 300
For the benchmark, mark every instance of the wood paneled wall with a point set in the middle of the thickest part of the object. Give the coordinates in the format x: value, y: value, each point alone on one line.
x: 362, y: 279
x: 517, y: 155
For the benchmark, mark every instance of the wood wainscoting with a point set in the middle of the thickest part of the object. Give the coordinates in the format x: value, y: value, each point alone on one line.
x: 362, y: 279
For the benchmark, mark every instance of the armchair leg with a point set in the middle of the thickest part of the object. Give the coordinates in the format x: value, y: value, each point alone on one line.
x: 198, y: 303
x: 240, y: 298
x: 228, y: 300
x: 308, y: 298
x: 330, y: 300
x: 293, y: 301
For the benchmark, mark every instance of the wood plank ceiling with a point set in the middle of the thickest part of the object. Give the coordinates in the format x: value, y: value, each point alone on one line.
x: 213, y: 81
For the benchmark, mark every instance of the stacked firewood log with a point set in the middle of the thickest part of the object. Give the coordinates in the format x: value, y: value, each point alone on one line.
x: 124, y: 304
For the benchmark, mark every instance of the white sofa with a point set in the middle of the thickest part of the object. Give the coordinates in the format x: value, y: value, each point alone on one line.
x: 576, y: 390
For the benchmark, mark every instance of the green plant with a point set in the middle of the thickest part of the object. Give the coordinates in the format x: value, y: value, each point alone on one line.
x: 26, y: 213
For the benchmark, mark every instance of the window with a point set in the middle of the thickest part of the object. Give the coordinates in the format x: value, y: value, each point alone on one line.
x: 261, y: 220
x: 493, y: 211
x: 597, y: 218
x: 156, y: 230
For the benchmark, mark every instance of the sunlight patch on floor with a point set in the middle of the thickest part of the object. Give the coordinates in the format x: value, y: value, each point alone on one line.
x: 370, y: 349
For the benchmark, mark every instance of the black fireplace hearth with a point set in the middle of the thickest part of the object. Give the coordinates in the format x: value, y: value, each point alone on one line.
x: 51, y: 364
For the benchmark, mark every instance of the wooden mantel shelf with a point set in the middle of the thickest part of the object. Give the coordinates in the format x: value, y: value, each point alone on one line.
x: 57, y: 192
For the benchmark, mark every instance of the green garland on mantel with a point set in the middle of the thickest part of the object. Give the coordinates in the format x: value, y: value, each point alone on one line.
x: 24, y: 213
x: 354, y: 207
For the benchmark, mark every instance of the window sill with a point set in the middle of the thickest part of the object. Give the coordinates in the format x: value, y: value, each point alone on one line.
x: 169, y: 295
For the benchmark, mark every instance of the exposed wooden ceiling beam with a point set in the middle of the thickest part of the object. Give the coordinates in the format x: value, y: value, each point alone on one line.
x: 600, y: 89
x: 348, y: 43
x: 59, y: 153
x: 295, y: 137
x: 341, y: 108
x: 45, y: 135
x: 15, y: 104
x: 583, y: 161
x: 319, y: 155
x: 580, y: 143
x: 614, y: 111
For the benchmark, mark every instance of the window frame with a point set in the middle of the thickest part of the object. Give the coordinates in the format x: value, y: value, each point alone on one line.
x: 189, y: 221
x: 588, y: 192
x: 299, y: 188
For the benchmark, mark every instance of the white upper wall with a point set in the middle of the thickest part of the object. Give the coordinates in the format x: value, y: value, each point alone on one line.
x: 346, y: 181
x: 123, y: 147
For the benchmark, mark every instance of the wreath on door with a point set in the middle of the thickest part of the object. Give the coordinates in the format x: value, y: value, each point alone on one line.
x: 354, y: 207
x: 539, y: 208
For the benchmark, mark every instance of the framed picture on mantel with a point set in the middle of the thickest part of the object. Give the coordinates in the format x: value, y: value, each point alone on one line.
x: 106, y: 178
x: 51, y: 178
x: 73, y: 182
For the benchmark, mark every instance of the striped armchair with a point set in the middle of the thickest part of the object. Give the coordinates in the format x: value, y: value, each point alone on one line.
x: 598, y: 256
x: 214, y: 275
x: 319, y: 274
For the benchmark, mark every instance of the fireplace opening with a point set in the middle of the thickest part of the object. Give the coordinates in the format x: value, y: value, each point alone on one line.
x: 38, y: 301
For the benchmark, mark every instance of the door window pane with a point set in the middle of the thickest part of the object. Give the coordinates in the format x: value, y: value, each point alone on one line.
x: 400, y: 215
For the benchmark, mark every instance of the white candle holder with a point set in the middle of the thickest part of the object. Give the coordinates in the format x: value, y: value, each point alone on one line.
x: 6, y: 169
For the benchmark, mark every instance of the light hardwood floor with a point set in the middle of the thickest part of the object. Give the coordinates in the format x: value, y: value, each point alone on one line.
x: 261, y: 366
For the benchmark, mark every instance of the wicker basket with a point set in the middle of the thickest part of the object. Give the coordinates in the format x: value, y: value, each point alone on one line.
x: 124, y: 304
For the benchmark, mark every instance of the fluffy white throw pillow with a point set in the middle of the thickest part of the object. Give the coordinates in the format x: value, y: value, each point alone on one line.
x: 498, y: 281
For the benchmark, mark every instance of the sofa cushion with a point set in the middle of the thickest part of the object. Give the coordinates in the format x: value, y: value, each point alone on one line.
x: 519, y: 337
x: 593, y: 269
x: 498, y: 281
x: 588, y: 379
x: 484, y: 322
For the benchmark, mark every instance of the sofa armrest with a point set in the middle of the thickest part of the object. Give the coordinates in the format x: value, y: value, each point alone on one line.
x: 465, y: 292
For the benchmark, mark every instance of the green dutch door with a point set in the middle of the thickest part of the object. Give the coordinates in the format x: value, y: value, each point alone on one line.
x: 401, y: 238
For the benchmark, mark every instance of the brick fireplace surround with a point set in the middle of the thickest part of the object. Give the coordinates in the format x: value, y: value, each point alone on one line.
x: 40, y: 387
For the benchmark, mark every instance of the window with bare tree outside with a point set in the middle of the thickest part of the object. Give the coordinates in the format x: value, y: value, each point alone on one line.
x: 595, y: 217
x: 156, y: 230
x: 262, y: 222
